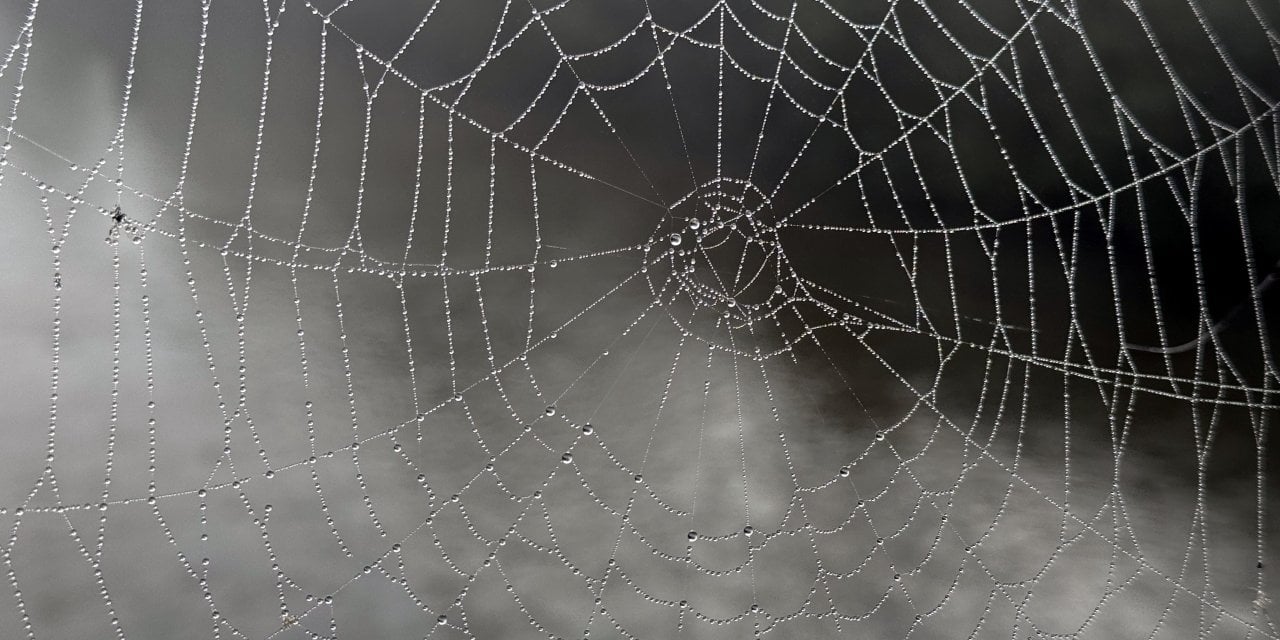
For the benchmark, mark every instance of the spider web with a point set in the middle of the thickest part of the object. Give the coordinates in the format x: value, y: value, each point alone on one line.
x: 799, y: 318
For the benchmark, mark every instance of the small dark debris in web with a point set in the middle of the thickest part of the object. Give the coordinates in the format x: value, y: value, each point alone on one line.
x: 121, y: 225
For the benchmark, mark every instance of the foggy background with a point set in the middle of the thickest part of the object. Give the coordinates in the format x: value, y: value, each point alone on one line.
x: 374, y: 255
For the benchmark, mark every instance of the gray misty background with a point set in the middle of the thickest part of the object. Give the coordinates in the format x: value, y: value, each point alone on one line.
x: 389, y: 264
